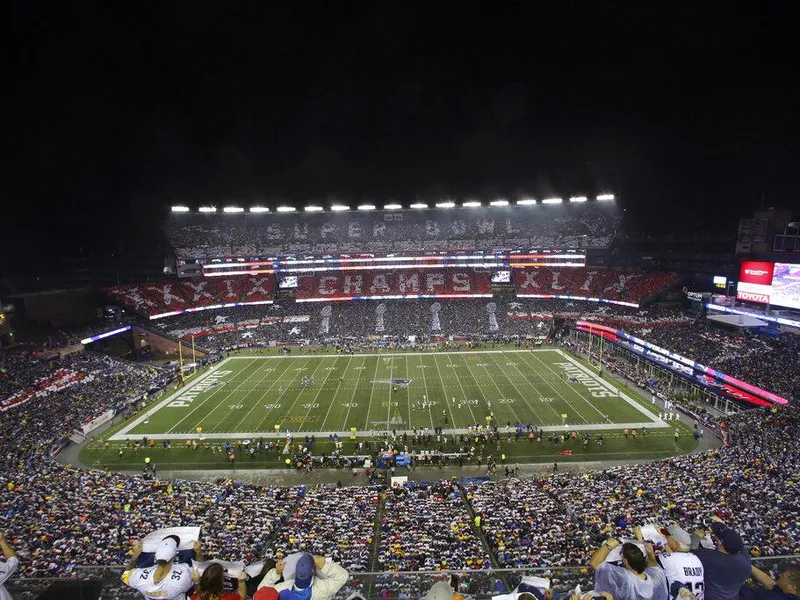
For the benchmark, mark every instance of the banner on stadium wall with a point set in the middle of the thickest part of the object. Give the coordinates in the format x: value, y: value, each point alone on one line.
x: 398, y: 482
x: 97, y: 421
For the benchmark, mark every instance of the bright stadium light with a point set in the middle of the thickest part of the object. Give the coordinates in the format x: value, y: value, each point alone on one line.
x: 313, y: 208
x: 526, y: 202
x: 471, y: 204
x: 498, y: 203
x: 575, y: 199
x: 233, y: 209
x: 285, y: 209
x: 208, y: 209
x: 392, y: 207
x: 258, y: 209
x: 366, y: 207
x: 419, y: 205
x: 180, y: 209
x: 605, y: 197
x: 447, y: 204
x: 339, y: 207
x: 552, y: 201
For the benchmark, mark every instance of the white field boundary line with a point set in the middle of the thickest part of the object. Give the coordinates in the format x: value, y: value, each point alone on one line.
x: 623, y: 395
x: 391, y: 354
x: 174, y: 396
x: 655, y: 421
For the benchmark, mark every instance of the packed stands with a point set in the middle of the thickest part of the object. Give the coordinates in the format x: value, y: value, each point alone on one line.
x: 632, y: 286
x: 153, y: 299
x: 766, y: 361
x: 590, y: 225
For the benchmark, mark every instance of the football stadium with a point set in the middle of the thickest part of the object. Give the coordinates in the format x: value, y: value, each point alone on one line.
x: 309, y: 351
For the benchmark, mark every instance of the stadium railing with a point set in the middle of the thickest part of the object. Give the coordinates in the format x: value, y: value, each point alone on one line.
x: 372, y: 585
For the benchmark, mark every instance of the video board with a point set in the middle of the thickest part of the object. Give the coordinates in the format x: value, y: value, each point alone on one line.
x: 769, y: 283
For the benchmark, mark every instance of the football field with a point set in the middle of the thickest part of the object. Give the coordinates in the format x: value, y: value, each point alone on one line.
x: 246, y: 396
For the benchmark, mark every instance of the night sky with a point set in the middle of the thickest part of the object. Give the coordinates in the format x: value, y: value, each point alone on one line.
x: 688, y: 112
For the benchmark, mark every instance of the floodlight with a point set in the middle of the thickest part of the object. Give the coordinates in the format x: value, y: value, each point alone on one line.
x: 605, y: 197
x: 233, y: 209
x: 312, y: 208
x: 419, y: 205
x: 208, y: 209
x: 552, y: 201
x: 392, y: 206
x: 471, y: 204
x: 526, y: 201
x: 180, y: 209
x: 285, y: 209
x: 366, y: 207
x: 447, y: 204
x: 499, y: 203
x: 578, y: 199
x: 339, y: 207
x: 258, y: 209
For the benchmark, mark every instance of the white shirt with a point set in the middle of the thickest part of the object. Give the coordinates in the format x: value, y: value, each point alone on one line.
x: 173, y: 587
x: 7, y: 569
x: 686, y: 568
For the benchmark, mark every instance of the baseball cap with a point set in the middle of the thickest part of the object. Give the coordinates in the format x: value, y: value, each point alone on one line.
x: 679, y: 533
x: 730, y: 539
x: 168, y: 548
x: 304, y: 571
x: 266, y: 593
x: 440, y: 590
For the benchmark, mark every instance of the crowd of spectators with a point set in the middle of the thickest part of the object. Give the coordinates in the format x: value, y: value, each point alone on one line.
x: 426, y: 527
x: 767, y: 361
x: 590, y: 225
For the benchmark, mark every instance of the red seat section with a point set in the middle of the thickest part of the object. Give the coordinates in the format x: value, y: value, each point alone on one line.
x: 154, y: 299
x: 620, y: 285
x: 346, y: 285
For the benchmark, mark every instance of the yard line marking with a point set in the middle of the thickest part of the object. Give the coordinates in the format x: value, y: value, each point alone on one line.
x: 558, y: 393
x: 371, y: 394
x: 282, y: 394
x: 261, y: 398
x: 336, y: 392
x: 427, y: 393
x: 353, y: 395
x: 516, y: 417
x: 472, y: 415
x: 228, y: 395
x: 336, y: 359
x: 584, y: 398
x: 528, y: 383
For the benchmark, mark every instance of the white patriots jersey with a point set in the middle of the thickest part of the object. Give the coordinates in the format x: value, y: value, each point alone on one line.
x: 173, y: 587
x: 683, y: 569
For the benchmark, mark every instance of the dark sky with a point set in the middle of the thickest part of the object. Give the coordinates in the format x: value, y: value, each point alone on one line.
x: 687, y: 111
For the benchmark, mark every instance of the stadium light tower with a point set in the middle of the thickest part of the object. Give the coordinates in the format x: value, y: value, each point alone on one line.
x: 285, y: 209
x: 552, y: 201
x: 313, y: 208
x: 208, y: 209
x: 471, y: 204
x: 499, y: 202
x: 447, y: 204
x: 366, y: 207
x: 339, y: 207
x: 180, y: 209
x: 605, y: 197
x: 526, y: 202
x: 576, y: 199
x: 392, y: 207
x: 233, y: 209
x: 419, y: 205
x: 258, y: 209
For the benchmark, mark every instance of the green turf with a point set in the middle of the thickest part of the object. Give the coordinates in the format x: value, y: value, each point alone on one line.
x: 257, y: 392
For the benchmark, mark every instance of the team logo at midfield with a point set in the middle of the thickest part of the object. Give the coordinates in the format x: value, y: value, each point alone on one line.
x: 399, y: 382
